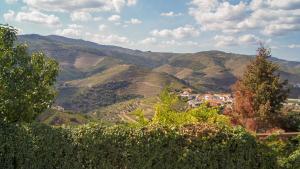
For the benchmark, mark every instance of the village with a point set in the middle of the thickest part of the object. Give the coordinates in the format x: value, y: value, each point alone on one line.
x: 224, y: 100
x: 297, y: 85
x: 213, y: 99
x: 293, y: 104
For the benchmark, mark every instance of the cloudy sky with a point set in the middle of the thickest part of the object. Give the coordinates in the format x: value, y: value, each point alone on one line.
x: 165, y: 25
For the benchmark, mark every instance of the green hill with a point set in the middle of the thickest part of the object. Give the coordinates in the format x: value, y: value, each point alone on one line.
x: 96, y: 77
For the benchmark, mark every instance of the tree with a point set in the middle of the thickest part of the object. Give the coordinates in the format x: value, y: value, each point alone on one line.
x: 26, y: 80
x: 173, y: 112
x: 260, y: 93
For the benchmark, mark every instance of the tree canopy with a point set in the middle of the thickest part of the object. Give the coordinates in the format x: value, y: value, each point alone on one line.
x: 26, y: 80
x: 260, y: 93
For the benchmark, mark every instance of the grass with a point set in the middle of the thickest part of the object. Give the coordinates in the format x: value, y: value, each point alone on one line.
x: 121, y: 112
x: 57, y: 118
x: 99, y: 78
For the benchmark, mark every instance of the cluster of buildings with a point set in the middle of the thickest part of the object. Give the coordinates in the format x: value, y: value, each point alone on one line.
x: 195, y: 100
x: 296, y: 85
x: 58, y: 108
x: 222, y: 100
x: 293, y: 104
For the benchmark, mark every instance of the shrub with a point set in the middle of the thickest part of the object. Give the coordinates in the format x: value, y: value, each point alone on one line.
x: 291, y: 121
x: 287, y: 151
x: 171, y: 111
x: 36, y: 146
x: 100, y: 146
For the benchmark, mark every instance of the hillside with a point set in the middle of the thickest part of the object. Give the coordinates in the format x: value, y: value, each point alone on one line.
x: 95, y: 76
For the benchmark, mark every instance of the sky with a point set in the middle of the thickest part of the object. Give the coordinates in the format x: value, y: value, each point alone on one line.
x: 184, y: 26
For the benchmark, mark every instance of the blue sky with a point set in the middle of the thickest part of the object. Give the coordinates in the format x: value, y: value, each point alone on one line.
x: 165, y: 25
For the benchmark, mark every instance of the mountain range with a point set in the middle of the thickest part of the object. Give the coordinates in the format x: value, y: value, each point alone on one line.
x: 95, y: 76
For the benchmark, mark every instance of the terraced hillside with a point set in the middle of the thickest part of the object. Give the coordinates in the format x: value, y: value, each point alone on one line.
x: 96, y: 77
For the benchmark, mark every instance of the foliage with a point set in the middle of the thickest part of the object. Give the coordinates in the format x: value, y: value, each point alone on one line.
x: 172, y: 111
x: 26, y: 81
x: 287, y: 151
x: 260, y: 93
x: 56, y: 117
x: 29, y: 146
x: 101, y: 146
x: 98, y: 96
x: 141, y: 119
x: 290, y: 121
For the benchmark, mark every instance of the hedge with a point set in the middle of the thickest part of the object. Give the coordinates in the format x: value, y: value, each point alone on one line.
x: 287, y: 151
x: 93, y: 146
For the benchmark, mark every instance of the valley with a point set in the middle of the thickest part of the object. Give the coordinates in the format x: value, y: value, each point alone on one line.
x: 96, y: 79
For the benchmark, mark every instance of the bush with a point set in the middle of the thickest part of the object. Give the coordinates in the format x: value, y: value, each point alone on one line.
x: 291, y: 121
x: 101, y: 146
x: 36, y: 146
x: 287, y: 151
x: 172, y: 112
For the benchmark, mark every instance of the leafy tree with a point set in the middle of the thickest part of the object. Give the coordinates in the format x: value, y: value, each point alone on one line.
x: 259, y: 94
x: 26, y: 81
x: 172, y: 111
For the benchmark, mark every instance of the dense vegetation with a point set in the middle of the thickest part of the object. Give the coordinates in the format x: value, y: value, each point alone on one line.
x: 26, y: 80
x: 286, y: 151
x: 149, y: 72
x: 171, y: 111
x: 99, y: 96
x: 176, y: 137
x: 260, y: 93
x: 101, y: 146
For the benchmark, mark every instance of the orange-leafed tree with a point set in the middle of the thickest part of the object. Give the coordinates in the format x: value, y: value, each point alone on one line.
x: 243, y: 106
x: 260, y: 93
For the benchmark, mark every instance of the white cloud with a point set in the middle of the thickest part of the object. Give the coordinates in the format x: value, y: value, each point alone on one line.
x: 72, y: 30
x: 11, y: 1
x: 174, y: 43
x: 114, y: 18
x: 225, y: 41
x: 34, y: 16
x: 118, y: 23
x: 215, y: 15
x: 134, y: 21
x: 75, y: 26
x: 80, y: 5
x: 148, y: 41
x: 131, y: 2
x: 19, y: 30
x: 292, y: 46
x: 283, y: 4
x: 192, y: 43
x: 171, y: 14
x: 9, y: 16
x: 152, y: 41
x: 102, y: 27
x: 80, y: 16
x: 275, y: 4
x: 248, y: 39
x: 178, y: 33
x: 99, y: 18
x: 170, y: 43
x: 269, y: 17
x: 273, y: 22
x: 110, y: 39
x: 280, y: 28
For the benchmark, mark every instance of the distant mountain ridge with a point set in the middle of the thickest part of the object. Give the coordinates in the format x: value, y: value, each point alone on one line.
x: 91, y: 71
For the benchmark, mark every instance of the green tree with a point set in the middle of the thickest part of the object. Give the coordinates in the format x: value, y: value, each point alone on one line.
x: 260, y: 93
x: 171, y: 111
x: 26, y: 80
